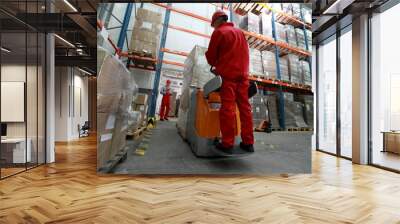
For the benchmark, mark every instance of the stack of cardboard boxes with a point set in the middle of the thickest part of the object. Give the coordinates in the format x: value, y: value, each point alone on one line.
x: 269, y: 64
x: 146, y: 32
x: 140, y: 105
x: 255, y: 66
x: 115, y: 91
x: 196, y: 73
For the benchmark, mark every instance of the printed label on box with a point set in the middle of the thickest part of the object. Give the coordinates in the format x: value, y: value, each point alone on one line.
x: 105, y: 137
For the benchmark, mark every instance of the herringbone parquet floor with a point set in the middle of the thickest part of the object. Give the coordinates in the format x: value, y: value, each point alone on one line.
x: 70, y: 191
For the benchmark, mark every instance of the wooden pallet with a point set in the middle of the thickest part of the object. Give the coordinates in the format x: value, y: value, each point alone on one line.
x: 299, y: 129
x: 142, y: 62
x: 138, y: 132
x: 120, y: 156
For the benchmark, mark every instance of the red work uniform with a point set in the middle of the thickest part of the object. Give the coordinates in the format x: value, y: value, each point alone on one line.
x: 228, y: 52
x: 164, y: 109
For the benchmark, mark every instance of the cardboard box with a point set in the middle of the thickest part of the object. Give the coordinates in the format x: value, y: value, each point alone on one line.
x: 141, y: 99
x: 150, y: 16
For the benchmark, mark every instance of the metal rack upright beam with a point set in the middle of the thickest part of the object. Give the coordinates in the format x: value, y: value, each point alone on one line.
x: 160, y: 57
x: 281, y: 105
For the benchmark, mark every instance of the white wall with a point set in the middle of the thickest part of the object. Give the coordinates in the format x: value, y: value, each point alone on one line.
x: 70, y: 83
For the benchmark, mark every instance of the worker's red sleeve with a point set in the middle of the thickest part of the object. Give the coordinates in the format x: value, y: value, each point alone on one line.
x: 212, y: 52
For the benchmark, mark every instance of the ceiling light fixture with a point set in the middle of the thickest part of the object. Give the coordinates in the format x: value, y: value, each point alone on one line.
x: 5, y: 50
x: 64, y: 40
x: 70, y: 5
x: 84, y: 71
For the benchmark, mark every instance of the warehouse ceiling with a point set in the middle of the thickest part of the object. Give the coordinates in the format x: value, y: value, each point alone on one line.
x: 329, y: 16
x: 73, y: 22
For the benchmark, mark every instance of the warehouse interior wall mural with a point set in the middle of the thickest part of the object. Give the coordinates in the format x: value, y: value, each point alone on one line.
x: 149, y: 50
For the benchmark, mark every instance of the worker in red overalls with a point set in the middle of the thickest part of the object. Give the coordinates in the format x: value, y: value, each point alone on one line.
x: 164, y: 109
x: 228, y: 52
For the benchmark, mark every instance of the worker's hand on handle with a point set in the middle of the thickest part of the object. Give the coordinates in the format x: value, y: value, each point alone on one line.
x: 213, y: 70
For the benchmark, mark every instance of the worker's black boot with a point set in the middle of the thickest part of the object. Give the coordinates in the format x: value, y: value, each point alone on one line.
x: 248, y: 148
x: 222, y: 148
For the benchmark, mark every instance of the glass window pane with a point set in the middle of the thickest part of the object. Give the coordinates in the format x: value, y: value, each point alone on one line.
x: 385, y: 84
x: 327, y: 96
x: 346, y: 94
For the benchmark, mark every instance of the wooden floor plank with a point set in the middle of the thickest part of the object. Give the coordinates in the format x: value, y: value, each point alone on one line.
x: 70, y: 191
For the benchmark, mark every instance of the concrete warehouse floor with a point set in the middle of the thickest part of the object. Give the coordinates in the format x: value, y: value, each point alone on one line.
x: 162, y: 151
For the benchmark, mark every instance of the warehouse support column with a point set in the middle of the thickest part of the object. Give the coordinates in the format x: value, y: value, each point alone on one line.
x: 160, y: 57
x: 360, y: 90
x: 124, y: 28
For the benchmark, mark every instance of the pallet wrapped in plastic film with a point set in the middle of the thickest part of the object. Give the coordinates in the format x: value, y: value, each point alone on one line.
x: 301, y: 41
x: 269, y: 64
x: 250, y: 22
x: 308, y: 110
x: 266, y: 24
x: 255, y: 65
x: 259, y: 108
x: 196, y: 73
x: 296, y: 9
x: 146, y: 32
x: 116, y: 89
x: 280, y: 32
x: 294, y: 69
x: 284, y: 69
x: 293, y: 112
x: 272, y: 104
x: 305, y: 72
x: 291, y: 35
x: 307, y: 14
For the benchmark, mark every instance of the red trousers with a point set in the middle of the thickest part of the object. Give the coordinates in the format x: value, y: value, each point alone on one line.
x: 235, y: 93
x: 164, y: 109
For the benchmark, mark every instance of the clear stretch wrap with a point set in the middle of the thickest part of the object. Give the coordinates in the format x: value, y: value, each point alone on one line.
x: 196, y: 73
x: 146, y: 32
x: 255, y: 66
x: 269, y: 64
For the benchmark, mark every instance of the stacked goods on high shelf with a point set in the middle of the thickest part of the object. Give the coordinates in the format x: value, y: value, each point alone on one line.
x: 266, y: 24
x: 115, y: 90
x: 280, y: 32
x: 286, y: 8
x: 284, y: 69
x: 309, y: 39
x: 305, y: 72
x: 146, y: 32
x: 269, y: 64
x: 259, y: 109
x: 301, y: 41
x: 172, y: 105
x: 296, y: 10
x: 294, y: 69
x: 250, y: 22
x: 291, y: 35
x: 294, y: 117
x: 307, y: 14
x: 196, y: 73
x: 255, y: 65
x: 308, y: 111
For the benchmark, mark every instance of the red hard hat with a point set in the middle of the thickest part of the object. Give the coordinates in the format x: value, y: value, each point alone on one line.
x: 216, y: 15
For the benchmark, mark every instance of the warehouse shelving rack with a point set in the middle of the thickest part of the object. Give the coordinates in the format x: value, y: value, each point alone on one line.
x: 255, y: 40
